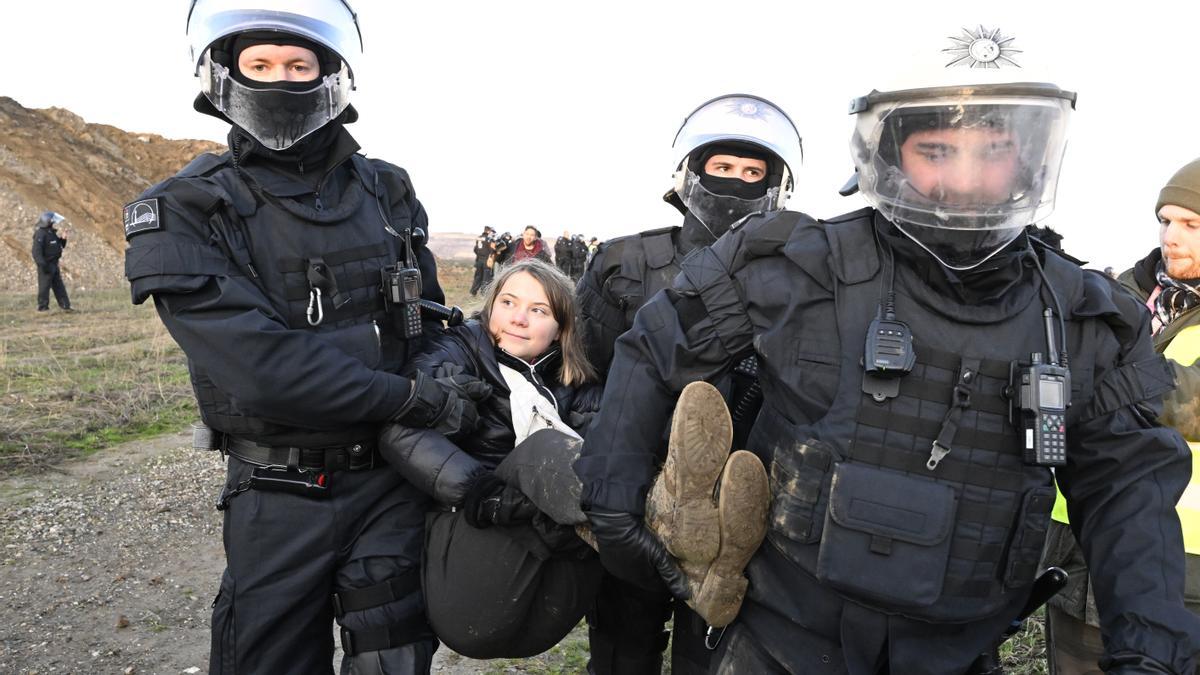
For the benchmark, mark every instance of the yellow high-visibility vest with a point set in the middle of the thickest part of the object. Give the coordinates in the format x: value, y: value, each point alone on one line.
x: 1185, y: 350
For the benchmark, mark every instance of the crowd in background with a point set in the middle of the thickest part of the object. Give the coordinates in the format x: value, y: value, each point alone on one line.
x: 572, y: 253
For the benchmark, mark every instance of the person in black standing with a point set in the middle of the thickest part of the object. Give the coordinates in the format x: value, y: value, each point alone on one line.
x: 564, y: 254
x: 737, y: 154
x: 485, y: 248
x: 48, y: 245
x: 579, y: 254
x: 269, y: 266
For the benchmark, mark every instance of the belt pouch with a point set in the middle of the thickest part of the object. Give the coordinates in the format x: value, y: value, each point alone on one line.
x: 886, y: 535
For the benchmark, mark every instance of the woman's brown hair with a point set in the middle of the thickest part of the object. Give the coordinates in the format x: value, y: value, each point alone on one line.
x: 576, y: 369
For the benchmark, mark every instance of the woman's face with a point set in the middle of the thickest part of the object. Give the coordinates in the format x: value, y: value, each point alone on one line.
x: 521, y: 320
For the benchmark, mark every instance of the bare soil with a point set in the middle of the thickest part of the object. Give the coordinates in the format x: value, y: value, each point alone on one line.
x: 109, y: 564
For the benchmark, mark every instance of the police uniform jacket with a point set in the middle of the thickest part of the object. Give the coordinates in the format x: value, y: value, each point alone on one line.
x: 867, y: 545
x: 47, y: 246
x: 623, y: 274
x: 238, y: 260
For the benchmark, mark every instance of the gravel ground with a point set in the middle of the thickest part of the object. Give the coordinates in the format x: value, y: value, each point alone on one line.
x: 109, y: 564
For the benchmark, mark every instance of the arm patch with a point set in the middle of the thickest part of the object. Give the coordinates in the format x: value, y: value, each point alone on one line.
x: 142, y: 216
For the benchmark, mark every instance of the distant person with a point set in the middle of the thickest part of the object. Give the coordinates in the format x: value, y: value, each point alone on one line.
x: 1167, y: 281
x: 593, y: 246
x: 531, y: 246
x: 504, y: 251
x: 1108, y: 271
x: 579, y: 252
x: 48, y: 245
x: 564, y: 253
x: 485, y: 250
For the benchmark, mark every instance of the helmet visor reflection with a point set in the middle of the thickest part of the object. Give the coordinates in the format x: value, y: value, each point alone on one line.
x: 277, y: 118
x: 718, y: 212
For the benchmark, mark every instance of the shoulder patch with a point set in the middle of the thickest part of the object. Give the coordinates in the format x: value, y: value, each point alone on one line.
x: 142, y: 216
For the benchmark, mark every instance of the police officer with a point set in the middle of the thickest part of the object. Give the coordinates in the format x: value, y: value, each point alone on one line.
x: 908, y: 351
x: 579, y: 254
x: 564, y: 253
x: 48, y: 245
x: 267, y: 265
x: 485, y: 250
x: 736, y: 154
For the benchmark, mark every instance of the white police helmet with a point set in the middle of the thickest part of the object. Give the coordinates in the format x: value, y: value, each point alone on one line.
x: 965, y: 152
x: 276, y: 117
x: 737, y: 119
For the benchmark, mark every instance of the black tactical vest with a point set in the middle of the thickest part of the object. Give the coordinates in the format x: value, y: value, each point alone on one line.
x: 311, y: 264
x: 855, y: 504
x: 648, y: 264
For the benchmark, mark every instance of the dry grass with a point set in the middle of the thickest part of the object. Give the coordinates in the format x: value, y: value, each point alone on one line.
x: 75, y: 383
x: 71, y: 384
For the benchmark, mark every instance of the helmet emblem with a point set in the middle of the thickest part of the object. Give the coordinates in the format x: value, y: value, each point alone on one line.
x: 982, y: 48
x: 749, y: 109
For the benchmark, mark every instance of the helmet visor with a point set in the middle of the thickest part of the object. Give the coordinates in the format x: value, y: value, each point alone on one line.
x: 718, y: 212
x: 277, y: 118
x: 962, y: 175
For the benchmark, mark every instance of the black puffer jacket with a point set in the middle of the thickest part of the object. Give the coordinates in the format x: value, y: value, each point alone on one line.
x: 446, y: 468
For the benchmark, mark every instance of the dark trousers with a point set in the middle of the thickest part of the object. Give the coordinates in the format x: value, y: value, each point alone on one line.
x: 514, y: 591
x: 288, y: 554
x: 483, y: 275
x: 50, y: 278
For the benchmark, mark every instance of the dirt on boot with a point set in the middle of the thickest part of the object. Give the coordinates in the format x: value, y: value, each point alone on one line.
x: 744, y: 501
x: 682, y: 507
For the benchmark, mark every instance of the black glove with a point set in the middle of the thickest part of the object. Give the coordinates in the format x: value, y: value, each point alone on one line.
x: 452, y: 376
x: 631, y: 552
x: 490, y: 502
x: 434, y: 405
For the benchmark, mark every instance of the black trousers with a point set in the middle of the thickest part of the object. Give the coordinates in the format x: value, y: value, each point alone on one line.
x: 483, y: 274
x: 514, y: 591
x: 288, y: 554
x: 50, y: 278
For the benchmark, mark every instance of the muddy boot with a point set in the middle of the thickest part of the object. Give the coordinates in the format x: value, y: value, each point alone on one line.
x: 681, y: 507
x: 742, y: 507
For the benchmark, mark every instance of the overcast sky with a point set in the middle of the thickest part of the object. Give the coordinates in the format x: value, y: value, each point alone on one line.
x: 561, y: 114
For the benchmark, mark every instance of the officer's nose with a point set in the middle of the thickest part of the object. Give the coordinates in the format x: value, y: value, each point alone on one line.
x: 961, y: 185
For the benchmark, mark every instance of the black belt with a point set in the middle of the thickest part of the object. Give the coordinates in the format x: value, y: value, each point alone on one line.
x: 354, y: 457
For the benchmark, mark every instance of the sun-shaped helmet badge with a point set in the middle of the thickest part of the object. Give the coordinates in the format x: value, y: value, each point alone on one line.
x: 747, y: 108
x: 982, y: 48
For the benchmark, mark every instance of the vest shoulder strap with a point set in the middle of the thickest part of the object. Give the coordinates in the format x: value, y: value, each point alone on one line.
x: 659, y: 247
x: 852, y: 247
x: 204, y: 164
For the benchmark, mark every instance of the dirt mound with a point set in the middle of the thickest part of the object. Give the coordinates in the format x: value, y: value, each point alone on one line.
x: 52, y: 160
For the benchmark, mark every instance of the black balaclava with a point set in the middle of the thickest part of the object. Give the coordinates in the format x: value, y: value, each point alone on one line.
x: 993, y: 282
x: 732, y: 187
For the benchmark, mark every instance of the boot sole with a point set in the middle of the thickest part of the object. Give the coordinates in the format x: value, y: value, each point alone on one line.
x: 701, y: 434
x: 743, y: 505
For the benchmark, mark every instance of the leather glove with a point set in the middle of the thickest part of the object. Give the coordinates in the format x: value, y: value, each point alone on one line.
x: 434, y: 405
x: 452, y: 376
x: 630, y: 551
x: 490, y: 502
